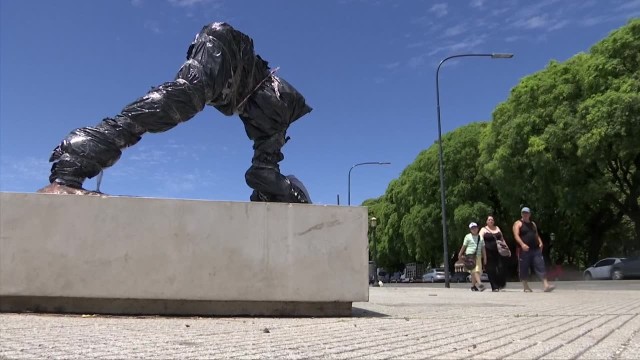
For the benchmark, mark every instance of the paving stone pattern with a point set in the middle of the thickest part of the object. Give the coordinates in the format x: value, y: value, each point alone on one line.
x: 397, y: 323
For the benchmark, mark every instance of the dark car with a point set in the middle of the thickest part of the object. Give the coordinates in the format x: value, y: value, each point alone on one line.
x: 628, y: 268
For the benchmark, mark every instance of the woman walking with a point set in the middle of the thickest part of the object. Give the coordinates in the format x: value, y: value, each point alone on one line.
x: 491, y: 234
x: 473, y: 246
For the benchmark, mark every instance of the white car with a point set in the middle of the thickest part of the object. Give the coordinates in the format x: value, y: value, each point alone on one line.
x: 601, y: 270
x: 433, y: 275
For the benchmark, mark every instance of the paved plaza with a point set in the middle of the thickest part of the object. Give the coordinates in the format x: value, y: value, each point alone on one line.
x: 580, y: 320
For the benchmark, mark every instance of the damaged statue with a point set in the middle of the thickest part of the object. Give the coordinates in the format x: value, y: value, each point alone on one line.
x: 221, y: 70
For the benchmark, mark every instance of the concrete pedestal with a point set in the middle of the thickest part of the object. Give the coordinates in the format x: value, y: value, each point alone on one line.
x: 123, y: 255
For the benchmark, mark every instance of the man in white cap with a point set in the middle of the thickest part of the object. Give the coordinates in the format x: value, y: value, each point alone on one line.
x: 526, y: 234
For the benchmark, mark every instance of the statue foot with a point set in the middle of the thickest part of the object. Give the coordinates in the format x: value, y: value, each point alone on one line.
x: 55, y: 188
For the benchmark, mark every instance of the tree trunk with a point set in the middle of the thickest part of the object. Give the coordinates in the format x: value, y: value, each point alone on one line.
x: 595, y: 245
x: 598, y: 225
x: 635, y: 218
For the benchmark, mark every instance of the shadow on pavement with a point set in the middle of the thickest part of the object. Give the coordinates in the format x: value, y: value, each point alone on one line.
x: 358, y: 312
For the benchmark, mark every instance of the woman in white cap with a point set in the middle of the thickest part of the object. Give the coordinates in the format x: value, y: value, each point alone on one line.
x: 473, y: 246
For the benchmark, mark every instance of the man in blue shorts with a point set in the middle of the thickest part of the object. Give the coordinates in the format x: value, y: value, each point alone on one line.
x: 526, y: 234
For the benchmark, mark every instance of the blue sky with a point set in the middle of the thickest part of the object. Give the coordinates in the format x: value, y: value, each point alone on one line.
x: 366, y: 67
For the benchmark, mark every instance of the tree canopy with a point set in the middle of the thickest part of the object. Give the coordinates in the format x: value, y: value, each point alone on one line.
x: 566, y: 143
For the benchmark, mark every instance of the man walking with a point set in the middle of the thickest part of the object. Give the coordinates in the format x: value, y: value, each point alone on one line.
x: 526, y: 234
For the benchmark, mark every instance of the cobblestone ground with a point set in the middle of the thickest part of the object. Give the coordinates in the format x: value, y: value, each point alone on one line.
x: 397, y: 323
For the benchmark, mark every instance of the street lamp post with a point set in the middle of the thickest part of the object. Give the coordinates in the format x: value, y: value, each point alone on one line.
x: 374, y: 223
x: 442, y: 193
x: 364, y: 163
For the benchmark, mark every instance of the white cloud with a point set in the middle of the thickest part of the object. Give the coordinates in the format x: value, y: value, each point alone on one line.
x: 169, y: 169
x: 148, y: 156
x: 513, y: 38
x: 559, y: 25
x: 417, y: 44
x: 509, y: 21
x: 587, y: 4
x: 416, y: 61
x: 629, y: 5
x: 154, y: 26
x: 199, y: 8
x: 392, y: 65
x: 187, y: 3
x: 536, y: 15
x: 497, y: 12
x: 439, y: 9
x: 467, y: 44
x: 16, y: 173
x: 535, y: 8
x: 422, y: 20
x: 595, y: 20
x: 534, y: 22
x: 455, y: 30
x: 477, y: 3
x: 180, y: 183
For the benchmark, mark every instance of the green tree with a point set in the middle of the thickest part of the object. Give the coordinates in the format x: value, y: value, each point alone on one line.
x: 410, y: 211
x: 566, y: 143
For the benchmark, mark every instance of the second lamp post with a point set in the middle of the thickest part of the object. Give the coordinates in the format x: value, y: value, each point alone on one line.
x: 364, y: 163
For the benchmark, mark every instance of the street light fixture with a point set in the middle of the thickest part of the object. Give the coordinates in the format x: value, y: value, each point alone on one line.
x: 374, y: 222
x: 442, y: 194
x: 364, y: 163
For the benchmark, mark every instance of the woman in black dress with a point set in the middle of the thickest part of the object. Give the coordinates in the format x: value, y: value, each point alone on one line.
x: 495, y: 268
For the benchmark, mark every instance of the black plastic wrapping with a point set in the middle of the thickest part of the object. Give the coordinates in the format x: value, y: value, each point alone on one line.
x: 222, y: 71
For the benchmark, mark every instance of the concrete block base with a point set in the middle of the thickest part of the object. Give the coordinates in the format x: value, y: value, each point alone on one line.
x: 134, y: 307
x: 145, y: 256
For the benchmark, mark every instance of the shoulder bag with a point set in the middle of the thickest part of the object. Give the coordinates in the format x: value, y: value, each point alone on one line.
x: 469, y: 260
x: 503, y: 248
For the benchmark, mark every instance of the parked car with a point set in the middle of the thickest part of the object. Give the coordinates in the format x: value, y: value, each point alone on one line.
x: 396, y: 277
x: 383, y: 275
x: 483, y: 277
x: 626, y: 269
x: 601, y: 270
x: 459, y: 277
x: 433, y: 275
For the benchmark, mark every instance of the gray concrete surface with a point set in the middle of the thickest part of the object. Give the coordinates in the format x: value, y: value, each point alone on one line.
x: 70, y: 246
x: 595, y: 320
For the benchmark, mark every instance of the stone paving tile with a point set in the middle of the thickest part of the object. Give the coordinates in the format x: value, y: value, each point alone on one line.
x: 600, y: 343
x: 407, y: 323
x: 630, y: 348
x: 538, y: 347
x: 513, y: 342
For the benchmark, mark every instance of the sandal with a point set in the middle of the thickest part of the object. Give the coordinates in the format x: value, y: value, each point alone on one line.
x: 528, y: 290
x: 549, y: 288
